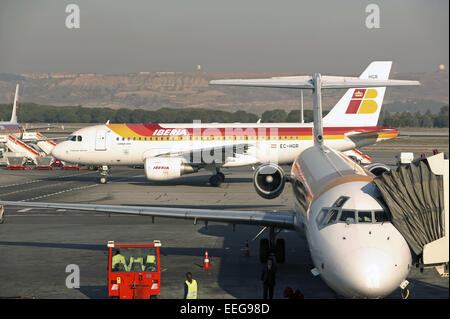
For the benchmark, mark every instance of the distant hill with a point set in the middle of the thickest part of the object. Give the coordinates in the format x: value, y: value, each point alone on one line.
x: 154, y: 90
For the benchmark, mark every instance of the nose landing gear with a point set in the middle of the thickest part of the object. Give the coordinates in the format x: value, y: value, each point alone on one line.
x: 269, y: 247
x: 104, y: 174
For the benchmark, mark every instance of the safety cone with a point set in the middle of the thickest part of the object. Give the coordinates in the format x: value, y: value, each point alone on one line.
x: 247, y: 251
x: 206, y: 261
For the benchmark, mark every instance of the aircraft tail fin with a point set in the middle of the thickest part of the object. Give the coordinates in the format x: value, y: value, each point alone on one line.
x: 14, y: 110
x: 362, y: 106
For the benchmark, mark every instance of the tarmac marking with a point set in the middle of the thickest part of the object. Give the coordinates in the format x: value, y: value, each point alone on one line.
x: 60, y: 192
x: 43, y: 180
x: 30, y: 189
x: 74, y: 189
x: 24, y: 210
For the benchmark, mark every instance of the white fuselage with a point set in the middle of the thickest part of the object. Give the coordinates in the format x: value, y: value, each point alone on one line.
x: 131, y: 144
x: 356, y: 250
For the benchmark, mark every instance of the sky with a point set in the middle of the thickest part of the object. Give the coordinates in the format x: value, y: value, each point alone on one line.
x: 132, y: 36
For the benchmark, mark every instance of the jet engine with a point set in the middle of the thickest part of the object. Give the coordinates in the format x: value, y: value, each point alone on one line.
x: 269, y: 180
x: 164, y: 168
x: 378, y: 168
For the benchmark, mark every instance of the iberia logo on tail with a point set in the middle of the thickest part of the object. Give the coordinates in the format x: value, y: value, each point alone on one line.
x: 363, y: 102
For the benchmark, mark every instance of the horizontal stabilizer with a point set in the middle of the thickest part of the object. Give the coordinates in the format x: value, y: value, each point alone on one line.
x: 375, y: 134
x: 305, y: 82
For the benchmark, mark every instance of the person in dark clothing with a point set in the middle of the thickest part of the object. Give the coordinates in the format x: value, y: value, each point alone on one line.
x: 268, y: 278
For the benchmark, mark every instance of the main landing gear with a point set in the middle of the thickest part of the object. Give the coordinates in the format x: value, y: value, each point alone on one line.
x: 270, y: 248
x: 217, y: 179
x: 104, y: 174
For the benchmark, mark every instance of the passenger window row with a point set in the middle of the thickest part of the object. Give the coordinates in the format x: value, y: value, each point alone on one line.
x: 207, y: 138
x: 331, y: 215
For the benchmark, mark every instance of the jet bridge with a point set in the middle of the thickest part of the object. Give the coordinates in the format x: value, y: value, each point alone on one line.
x: 417, y: 197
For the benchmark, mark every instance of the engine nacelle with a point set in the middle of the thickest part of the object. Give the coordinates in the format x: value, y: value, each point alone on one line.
x: 378, y: 168
x: 164, y: 168
x: 269, y: 180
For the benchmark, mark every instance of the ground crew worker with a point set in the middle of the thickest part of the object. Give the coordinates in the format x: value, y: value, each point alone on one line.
x: 139, y: 261
x: 150, y: 263
x: 268, y: 278
x: 118, y: 258
x: 190, y: 287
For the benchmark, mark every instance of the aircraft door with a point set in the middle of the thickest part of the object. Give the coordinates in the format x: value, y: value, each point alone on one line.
x: 100, y: 140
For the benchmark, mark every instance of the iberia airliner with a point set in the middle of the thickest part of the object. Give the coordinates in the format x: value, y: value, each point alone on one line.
x: 168, y: 151
x: 338, y: 209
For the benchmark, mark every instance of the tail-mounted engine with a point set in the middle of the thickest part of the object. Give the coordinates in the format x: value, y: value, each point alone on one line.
x: 378, y: 168
x: 269, y: 180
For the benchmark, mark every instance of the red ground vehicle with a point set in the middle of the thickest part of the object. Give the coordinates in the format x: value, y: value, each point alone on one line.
x: 135, y: 271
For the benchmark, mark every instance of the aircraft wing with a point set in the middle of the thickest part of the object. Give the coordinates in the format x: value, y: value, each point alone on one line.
x: 273, y: 219
x: 41, y: 127
x: 227, y: 150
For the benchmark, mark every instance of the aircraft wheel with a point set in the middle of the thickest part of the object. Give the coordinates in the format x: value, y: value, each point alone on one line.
x: 103, y: 180
x: 215, y: 181
x: 280, y: 251
x: 264, y: 250
x: 221, y: 176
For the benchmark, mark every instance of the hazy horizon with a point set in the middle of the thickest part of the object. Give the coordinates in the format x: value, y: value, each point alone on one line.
x: 234, y: 36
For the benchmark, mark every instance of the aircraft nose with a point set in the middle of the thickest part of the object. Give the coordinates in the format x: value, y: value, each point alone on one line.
x: 374, y: 273
x: 58, y: 151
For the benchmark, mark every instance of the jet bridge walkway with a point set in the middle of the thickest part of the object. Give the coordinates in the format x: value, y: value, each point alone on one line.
x: 417, y: 197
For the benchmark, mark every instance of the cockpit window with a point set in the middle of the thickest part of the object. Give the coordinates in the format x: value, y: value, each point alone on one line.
x: 327, y: 216
x: 320, y: 216
x: 381, y: 216
x: 336, y: 214
x: 347, y: 216
x: 364, y: 217
x: 74, y: 138
x: 331, y: 217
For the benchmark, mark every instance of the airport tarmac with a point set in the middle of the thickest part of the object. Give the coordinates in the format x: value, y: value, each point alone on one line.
x: 36, y: 245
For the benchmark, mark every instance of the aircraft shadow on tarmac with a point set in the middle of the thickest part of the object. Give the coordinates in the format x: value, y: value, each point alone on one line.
x: 197, y: 180
x: 239, y: 275
x: 234, y: 267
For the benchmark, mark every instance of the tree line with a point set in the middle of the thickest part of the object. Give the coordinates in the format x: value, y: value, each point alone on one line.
x: 35, y: 113
x: 416, y: 119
